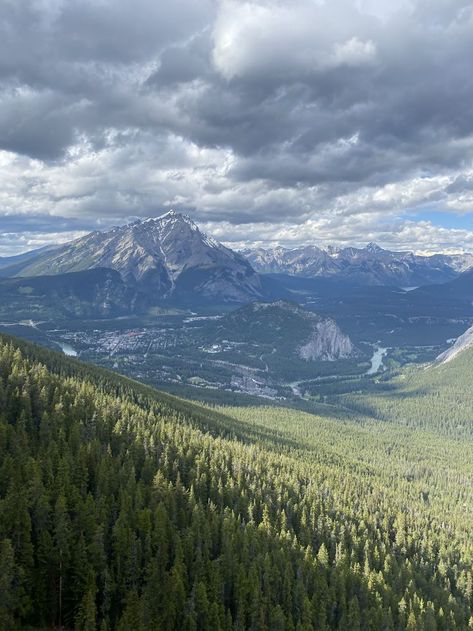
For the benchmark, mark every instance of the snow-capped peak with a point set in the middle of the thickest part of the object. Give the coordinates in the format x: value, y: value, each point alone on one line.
x: 170, y: 215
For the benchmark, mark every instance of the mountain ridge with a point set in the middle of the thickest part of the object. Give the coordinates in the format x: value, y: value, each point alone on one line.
x: 371, y: 265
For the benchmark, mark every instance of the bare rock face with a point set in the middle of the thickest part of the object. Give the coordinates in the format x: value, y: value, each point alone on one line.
x: 164, y: 257
x: 462, y: 343
x: 327, y: 343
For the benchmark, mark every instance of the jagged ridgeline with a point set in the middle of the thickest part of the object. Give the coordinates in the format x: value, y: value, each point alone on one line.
x: 123, y: 508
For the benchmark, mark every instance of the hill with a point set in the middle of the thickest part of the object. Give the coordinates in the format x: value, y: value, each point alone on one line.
x: 288, y: 329
x: 458, y: 290
x: 121, y: 508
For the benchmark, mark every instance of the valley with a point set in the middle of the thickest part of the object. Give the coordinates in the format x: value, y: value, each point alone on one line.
x: 368, y: 498
x: 202, y: 354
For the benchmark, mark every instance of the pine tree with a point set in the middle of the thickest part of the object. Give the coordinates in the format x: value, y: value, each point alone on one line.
x: 8, y: 595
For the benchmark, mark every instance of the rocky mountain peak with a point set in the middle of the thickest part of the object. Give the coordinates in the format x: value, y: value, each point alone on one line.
x: 163, y: 255
x: 373, y: 248
x: 168, y: 218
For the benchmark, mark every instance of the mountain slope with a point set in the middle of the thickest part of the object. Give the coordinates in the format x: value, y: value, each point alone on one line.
x: 371, y: 265
x: 166, y: 257
x: 459, y: 289
x: 437, y: 396
x: 10, y: 264
x: 464, y: 342
x: 123, y: 508
x: 92, y: 293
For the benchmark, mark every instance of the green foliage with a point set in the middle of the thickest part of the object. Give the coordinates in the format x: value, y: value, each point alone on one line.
x: 124, y: 508
x: 435, y: 397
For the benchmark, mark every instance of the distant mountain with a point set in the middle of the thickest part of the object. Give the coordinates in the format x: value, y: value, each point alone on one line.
x: 459, y: 289
x: 91, y: 293
x: 167, y: 257
x: 288, y: 328
x: 371, y: 265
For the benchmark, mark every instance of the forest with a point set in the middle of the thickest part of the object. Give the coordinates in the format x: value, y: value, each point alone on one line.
x: 125, y: 508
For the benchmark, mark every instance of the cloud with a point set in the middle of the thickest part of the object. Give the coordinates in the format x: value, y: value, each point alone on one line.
x: 254, y: 39
x: 247, y: 114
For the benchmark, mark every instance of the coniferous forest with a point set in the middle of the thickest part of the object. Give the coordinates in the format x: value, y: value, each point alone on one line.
x: 124, y: 508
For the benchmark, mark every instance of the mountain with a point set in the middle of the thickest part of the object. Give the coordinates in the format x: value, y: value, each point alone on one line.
x: 459, y: 289
x: 288, y: 328
x: 371, y: 265
x: 305, y: 261
x: 92, y: 293
x: 167, y: 257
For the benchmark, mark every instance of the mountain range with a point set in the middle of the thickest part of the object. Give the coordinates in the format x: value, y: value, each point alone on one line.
x: 169, y: 260
x: 371, y: 265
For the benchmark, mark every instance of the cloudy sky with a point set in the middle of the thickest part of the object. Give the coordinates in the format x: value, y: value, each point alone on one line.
x: 288, y: 121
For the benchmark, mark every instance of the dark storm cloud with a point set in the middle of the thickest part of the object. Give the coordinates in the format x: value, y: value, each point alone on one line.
x: 243, y: 111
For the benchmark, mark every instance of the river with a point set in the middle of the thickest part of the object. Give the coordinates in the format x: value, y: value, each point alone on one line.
x: 67, y: 349
x: 377, y: 360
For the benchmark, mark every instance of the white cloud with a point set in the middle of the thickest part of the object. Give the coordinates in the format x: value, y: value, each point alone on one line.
x: 257, y: 38
x: 354, y: 52
x: 311, y: 119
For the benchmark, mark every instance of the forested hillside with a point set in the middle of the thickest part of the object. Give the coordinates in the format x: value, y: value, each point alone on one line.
x: 122, y: 508
x: 436, y: 396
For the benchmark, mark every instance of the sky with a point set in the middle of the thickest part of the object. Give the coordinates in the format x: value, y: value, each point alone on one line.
x: 268, y: 122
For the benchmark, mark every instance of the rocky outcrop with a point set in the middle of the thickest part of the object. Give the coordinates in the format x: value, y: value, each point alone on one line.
x: 327, y: 343
x: 462, y: 343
